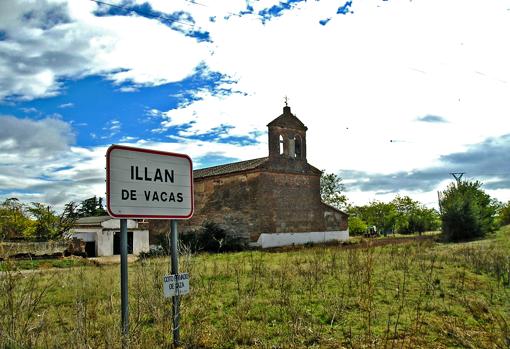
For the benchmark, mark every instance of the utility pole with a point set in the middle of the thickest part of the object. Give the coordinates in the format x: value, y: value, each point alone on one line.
x: 457, y: 176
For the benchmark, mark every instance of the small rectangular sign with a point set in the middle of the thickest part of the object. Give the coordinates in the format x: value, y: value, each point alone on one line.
x: 176, y: 285
x: 145, y: 183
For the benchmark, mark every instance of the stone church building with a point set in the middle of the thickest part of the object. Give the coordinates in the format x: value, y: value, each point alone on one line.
x: 270, y: 201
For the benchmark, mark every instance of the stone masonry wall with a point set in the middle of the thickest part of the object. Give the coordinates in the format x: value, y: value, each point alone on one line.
x: 229, y: 201
x: 334, y: 220
x: 289, y: 203
x: 252, y: 203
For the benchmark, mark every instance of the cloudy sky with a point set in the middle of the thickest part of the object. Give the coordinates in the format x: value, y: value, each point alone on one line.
x: 395, y: 94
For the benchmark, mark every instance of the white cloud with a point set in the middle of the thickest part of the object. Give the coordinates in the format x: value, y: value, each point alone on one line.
x: 39, y: 163
x: 66, y: 105
x: 80, y: 173
x: 358, y: 82
x: 112, y: 127
x: 127, y: 139
x: 364, y: 78
x: 23, y: 139
x: 199, y: 150
x: 49, y: 40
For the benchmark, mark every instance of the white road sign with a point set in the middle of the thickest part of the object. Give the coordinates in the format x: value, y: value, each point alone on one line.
x: 176, y: 285
x: 144, y: 183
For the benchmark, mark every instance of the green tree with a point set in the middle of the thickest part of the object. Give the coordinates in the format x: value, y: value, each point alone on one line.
x: 504, y: 214
x: 48, y: 225
x: 382, y: 215
x: 467, y: 211
x: 405, y: 207
x: 412, y: 216
x: 424, y: 219
x: 377, y: 213
x: 331, y: 190
x: 14, y: 220
x: 357, y: 226
x: 91, y: 207
x: 402, y: 214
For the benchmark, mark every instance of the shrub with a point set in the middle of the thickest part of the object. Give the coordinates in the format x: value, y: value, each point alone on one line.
x: 467, y: 212
x: 159, y: 251
x: 212, y: 238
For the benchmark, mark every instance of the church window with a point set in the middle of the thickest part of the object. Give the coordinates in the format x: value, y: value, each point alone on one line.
x: 281, y: 145
x: 297, y: 147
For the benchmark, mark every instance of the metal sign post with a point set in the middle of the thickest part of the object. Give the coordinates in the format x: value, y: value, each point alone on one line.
x: 145, y: 183
x: 175, y: 271
x: 124, y: 281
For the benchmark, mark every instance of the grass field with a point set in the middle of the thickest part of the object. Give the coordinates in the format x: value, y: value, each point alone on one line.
x: 408, y: 295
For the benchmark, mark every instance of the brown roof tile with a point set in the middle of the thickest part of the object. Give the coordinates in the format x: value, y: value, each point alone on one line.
x: 92, y: 220
x: 289, y: 120
x: 229, y: 168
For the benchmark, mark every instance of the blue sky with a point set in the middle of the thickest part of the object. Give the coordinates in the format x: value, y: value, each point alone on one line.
x: 396, y: 95
x: 102, y: 113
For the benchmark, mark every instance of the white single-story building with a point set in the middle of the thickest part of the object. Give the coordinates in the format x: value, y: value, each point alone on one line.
x: 102, y: 236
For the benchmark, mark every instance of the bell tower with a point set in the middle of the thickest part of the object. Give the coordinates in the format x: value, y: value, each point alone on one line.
x: 287, y: 138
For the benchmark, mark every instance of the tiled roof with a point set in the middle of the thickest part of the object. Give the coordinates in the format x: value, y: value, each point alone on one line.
x: 229, y: 168
x: 287, y: 119
x: 334, y: 208
x: 92, y: 220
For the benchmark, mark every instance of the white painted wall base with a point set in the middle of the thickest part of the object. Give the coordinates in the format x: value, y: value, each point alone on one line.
x: 140, y: 241
x: 104, y: 243
x: 287, y: 239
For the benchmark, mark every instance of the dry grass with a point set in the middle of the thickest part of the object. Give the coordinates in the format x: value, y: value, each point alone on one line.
x: 416, y: 295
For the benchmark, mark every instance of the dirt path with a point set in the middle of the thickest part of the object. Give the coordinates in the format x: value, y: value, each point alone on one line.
x: 112, y: 259
x: 363, y: 243
x: 98, y: 261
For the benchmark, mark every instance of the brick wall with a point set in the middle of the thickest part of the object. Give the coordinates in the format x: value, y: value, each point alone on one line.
x: 229, y: 201
x: 256, y: 202
x: 289, y: 203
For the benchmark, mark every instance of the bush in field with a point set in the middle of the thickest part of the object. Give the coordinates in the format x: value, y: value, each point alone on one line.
x: 212, y: 238
x: 466, y: 211
x: 357, y: 226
